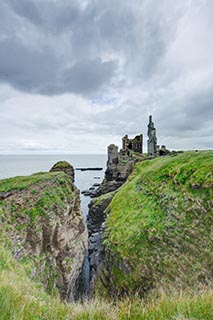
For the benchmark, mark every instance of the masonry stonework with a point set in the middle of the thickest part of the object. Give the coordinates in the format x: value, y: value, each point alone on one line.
x: 135, y: 144
x: 152, y: 148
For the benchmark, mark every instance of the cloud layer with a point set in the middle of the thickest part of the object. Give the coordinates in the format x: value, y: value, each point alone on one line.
x: 77, y: 75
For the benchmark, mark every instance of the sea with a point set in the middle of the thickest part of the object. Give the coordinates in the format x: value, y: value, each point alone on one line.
x: 22, y: 165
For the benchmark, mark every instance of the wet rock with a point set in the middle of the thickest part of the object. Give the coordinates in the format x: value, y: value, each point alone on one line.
x: 86, y: 192
x: 89, y: 169
x: 89, y: 193
x: 95, y: 222
x: 5, y: 195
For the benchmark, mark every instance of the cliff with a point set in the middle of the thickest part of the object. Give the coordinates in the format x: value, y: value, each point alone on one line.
x: 138, y: 224
x: 42, y: 226
x: 116, y: 173
x: 159, y: 227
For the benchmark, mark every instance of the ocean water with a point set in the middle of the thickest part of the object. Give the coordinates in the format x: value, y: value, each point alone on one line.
x: 21, y: 165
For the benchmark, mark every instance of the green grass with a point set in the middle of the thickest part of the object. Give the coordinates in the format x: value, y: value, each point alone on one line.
x: 23, y: 299
x: 160, y: 224
x: 171, y: 305
x: 39, y: 193
x: 98, y: 200
x: 62, y: 164
x: 23, y: 182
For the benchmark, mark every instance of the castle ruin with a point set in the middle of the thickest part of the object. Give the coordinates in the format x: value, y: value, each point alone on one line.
x: 152, y: 148
x: 135, y: 144
x: 112, y: 154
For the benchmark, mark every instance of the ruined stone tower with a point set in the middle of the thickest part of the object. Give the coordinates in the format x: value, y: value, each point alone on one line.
x: 135, y: 144
x: 152, y: 139
x: 112, y: 154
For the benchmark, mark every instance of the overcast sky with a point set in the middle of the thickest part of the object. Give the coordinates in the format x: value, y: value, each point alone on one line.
x: 77, y: 75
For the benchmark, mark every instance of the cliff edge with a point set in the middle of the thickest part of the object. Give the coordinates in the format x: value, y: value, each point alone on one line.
x: 42, y: 225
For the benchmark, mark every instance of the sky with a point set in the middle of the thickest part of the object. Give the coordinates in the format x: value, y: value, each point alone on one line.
x: 77, y: 75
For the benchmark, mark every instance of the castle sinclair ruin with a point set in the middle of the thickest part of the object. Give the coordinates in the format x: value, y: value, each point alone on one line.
x: 112, y: 154
x: 152, y: 148
x: 135, y: 144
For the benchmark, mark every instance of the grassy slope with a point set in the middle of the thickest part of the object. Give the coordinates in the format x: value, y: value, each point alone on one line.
x: 22, y: 299
x: 160, y: 224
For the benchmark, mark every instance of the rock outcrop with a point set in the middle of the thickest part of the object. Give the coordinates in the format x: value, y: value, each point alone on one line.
x: 116, y: 173
x: 42, y: 224
x: 65, y: 167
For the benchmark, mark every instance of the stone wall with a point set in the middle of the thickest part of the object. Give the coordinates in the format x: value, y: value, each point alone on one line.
x: 112, y: 154
x: 135, y: 144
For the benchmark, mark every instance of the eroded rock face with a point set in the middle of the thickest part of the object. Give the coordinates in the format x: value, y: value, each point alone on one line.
x: 44, y: 225
x: 95, y: 223
x: 65, y: 167
x: 115, y: 176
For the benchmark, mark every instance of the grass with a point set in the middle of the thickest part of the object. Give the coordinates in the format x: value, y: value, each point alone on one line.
x: 160, y: 225
x: 23, y: 299
x: 33, y: 196
x: 62, y: 164
x: 23, y: 182
x: 99, y: 200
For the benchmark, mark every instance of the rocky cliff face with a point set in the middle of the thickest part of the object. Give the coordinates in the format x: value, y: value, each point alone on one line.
x: 42, y: 224
x: 116, y: 174
x: 95, y: 223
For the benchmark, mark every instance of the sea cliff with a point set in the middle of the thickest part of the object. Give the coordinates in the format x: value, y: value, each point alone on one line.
x: 42, y: 226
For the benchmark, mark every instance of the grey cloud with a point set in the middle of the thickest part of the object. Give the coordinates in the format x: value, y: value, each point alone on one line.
x: 25, y: 68
x: 126, y: 59
x: 53, y: 16
x: 188, y: 115
x: 137, y: 33
x: 51, y: 64
x: 88, y: 75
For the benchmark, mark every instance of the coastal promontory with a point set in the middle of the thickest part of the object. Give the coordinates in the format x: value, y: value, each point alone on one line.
x: 43, y: 227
